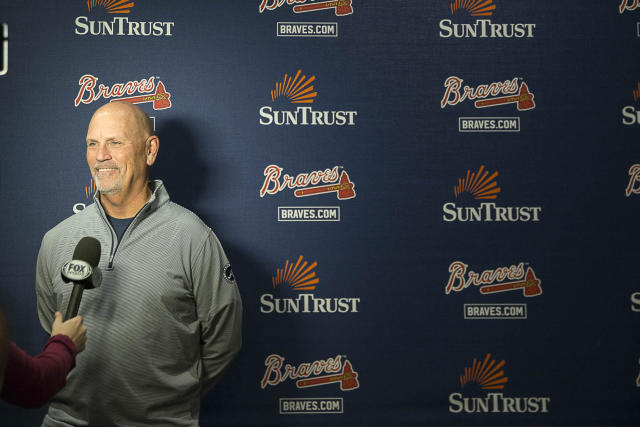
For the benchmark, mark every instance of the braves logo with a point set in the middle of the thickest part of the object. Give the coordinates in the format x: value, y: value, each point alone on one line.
x: 634, y: 174
x: 340, y: 7
x: 338, y: 373
x: 147, y: 91
x: 341, y: 184
x: 527, y: 281
x: 513, y: 92
x: 628, y: 5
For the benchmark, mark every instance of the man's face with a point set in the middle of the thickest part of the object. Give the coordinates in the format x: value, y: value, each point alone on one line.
x: 116, y: 151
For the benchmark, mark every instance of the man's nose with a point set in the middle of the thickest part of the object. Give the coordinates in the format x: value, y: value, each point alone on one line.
x: 103, y: 153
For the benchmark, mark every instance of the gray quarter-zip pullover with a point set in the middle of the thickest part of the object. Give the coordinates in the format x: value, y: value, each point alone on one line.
x: 163, y: 326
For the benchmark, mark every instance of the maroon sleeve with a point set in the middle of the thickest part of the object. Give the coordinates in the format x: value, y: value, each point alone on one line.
x: 31, y: 382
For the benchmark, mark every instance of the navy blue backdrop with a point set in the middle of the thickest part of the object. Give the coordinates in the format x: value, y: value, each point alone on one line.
x: 430, y: 206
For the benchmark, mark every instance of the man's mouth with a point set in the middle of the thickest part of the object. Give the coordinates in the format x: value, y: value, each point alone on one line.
x: 105, y: 170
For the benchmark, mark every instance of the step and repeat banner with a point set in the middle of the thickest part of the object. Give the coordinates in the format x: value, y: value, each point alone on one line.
x: 430, y: 206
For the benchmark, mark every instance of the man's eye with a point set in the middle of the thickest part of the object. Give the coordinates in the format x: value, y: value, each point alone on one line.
x: 91, y: 144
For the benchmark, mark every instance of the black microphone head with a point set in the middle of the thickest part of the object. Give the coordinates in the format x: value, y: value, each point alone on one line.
x: 88, y: 250
x: 83, y: 264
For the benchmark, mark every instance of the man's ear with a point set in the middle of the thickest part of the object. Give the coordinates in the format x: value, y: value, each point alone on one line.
x: 151, y: 149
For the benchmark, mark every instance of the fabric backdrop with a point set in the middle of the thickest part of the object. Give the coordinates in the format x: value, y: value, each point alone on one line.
x: 430, y: 206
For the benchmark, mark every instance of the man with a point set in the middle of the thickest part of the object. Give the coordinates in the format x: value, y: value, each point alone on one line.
x: 31, y: 381
x: 166, y: 321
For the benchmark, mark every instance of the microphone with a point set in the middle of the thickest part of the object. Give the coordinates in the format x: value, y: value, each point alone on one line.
x: 83, y: 271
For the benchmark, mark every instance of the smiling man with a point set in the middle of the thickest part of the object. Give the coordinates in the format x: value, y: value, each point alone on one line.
x: 166, y: 321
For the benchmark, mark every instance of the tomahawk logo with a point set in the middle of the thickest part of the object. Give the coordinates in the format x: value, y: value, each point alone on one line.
x: 89, y: 190
x: 631, y: 114
x: 482, y: 185
x: 514, y: 91
x: 340, y: 7
x: 118, y: 25
x: 488, y: 374
x: 628, y: 5
x: 146, y: 89
x: 306, y: 184
x: 4, y: 49
x: 300, y: 279
x: 299, y: 90
x: 483, y: 27
x: 491, y: 281
x: 328, y: 371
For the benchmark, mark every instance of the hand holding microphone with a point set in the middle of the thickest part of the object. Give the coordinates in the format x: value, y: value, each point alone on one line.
x: 73, y: 328
x: 83, y: 271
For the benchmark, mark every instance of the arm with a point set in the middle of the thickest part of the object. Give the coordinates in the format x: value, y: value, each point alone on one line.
x: 31, y: 382
x: 4, y: 347
x: 219, y: 310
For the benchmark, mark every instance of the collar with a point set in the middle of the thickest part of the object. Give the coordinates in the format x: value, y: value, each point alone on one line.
x: 159, y: 197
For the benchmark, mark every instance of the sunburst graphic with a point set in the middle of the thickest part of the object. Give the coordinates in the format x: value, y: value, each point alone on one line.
x: 299, y: 276
x: 474, y: 7
x: 112, y: 6
x: 89, y: 189
x: 479, y: 184
x: 297, y: 89
x: 636, y: 93
x: 487, y: 374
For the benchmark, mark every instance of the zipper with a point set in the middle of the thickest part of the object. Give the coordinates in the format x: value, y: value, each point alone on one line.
x: 114, y: 249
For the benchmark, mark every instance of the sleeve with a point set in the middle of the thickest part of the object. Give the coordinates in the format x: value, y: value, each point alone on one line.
x: 219, y: 309
x: 4, y: 347
x: 31, y: 382
x: 44, y: 290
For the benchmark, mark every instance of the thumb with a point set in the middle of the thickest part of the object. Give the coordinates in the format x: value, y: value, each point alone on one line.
x: 58, y: 318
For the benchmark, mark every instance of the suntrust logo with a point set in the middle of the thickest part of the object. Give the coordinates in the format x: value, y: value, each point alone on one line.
x: 111, y: 6
x: 89, y: 190
x: 297, y: 90
x: 146, y: 89
x: 301, y: 277
x: 489, y: 375
x: 481, y: 28
x: 481, y: 185
x: 474, y: 7
x: 635, y: 302
x: 119, y: 25
x: 630, y: 114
